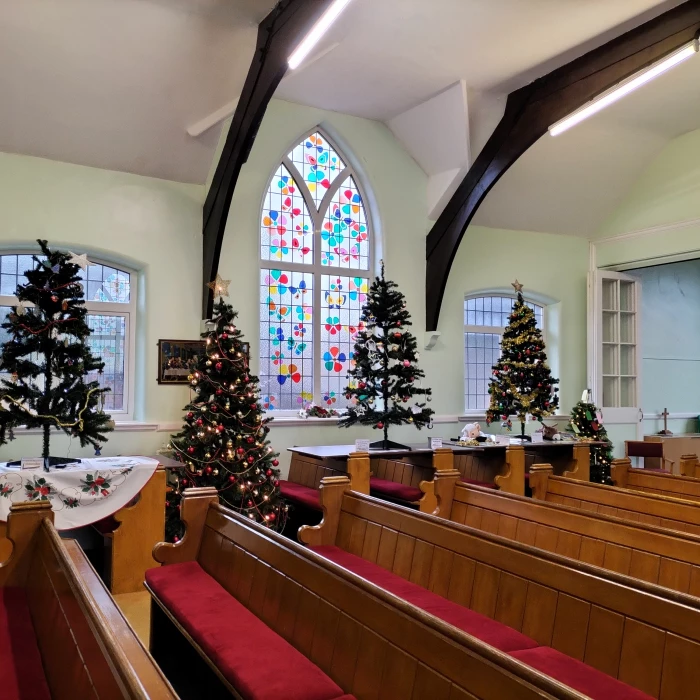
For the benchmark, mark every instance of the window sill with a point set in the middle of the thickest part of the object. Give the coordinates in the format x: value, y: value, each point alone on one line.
x: 126, y: 426
x: 469, y: 417
x: 290, y: 421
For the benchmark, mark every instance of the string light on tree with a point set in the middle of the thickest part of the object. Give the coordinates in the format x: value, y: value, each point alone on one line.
x: 522, y: 383
x: 587, y: 423
x: 223, y: 441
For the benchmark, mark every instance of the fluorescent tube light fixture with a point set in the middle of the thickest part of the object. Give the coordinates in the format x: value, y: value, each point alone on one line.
x: 624, y: 88
x: 317, y: 32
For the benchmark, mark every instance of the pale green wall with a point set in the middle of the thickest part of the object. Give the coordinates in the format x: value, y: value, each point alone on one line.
x: 666, y: 195
x: 150, y: 225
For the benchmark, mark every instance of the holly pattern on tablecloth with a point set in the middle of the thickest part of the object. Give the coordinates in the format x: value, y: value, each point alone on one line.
x: 5, y: 490
x: 39, y: 489
x: 71, y: 502
x: 95, y: 484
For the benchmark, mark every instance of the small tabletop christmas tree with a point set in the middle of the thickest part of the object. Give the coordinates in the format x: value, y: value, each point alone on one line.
x: 587, y: 422
x: 47, y: 358
x: 385, y: 371
x: 522, y: 383
x: 223, y: 442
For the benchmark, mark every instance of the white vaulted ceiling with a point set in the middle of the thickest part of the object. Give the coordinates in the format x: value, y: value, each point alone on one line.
x: 115, y: 84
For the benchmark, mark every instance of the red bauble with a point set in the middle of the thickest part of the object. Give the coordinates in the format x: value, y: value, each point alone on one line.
x: 54, y: 298
x: 539, y: 386
x: 246, y: 379
x: 250, y: 504
x: 219, y: 366
x: 397, y: 335
x: 240, y: 451
x: 398, y: 323
x: 271, y: 517
x: 276, y: 482
x: 361, y: 385
x: 406, y: 363
x: 219, y: 392
x: 184, y: 482
x: 199, y: 422
x: 213, y: 407
x: 253, y: 406
x: 380, y: 425
x: 251, y: 459
x: 232, y: 479
x: 347, y: 396
x: 275, y: 463
x: 208, y: 470
x: 269, y: 472
x: 249, y: 439
x: 190, y: 450
x: 219, y: 428
x: 527, y: 352
x: 190, y: 415
x: 224, y: 336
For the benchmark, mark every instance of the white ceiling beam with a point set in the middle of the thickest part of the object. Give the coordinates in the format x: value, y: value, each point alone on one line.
x: 211, y: 120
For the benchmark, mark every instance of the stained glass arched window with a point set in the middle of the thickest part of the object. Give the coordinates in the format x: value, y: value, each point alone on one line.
x: 315, y: 251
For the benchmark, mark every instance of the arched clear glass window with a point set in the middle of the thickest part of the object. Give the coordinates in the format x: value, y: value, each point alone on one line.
x: 485, y: 319
x: 316, y: 257
x: 110, y: 299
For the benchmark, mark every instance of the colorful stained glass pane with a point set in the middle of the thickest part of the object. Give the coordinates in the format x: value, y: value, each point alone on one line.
x: 341, y: 304
x: 286, y: 337
x: 318, y: 164
x: 286, y: 227
x: 344, y: 233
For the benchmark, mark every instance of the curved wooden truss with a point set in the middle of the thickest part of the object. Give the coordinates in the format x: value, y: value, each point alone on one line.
x: 530, y: 111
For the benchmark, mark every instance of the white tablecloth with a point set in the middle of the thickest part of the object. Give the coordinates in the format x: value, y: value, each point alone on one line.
x: 81, y: 493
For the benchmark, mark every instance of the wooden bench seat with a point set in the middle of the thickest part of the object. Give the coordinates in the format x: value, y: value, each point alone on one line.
x: 301, y: 486
x: 653, y: 554
x: 639, y: 634
x: 637, y: 506
x: 265, y: 608
x: 61, y: 633
x: 234, y: 638
x: 658, y: 481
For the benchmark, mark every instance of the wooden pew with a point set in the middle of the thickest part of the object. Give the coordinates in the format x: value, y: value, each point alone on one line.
x: 638, y: 633
x: 572, y: 460
x: 653, y: 554
x: 63, y: 621
x: 648, y: 508
x: 658, y: 482
x: 690, y: 466
x: 367, y: 641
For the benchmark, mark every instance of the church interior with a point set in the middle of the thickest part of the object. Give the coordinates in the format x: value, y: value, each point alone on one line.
x: 348, y: 349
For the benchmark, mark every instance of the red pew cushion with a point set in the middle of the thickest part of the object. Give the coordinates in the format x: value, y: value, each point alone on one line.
x: 236, y: 640
x: 300, y: 494
x: 577, y: 675
x: 21, y: 672
x: 484, y: 628
x: 473, y: 482
x: 394, y: 490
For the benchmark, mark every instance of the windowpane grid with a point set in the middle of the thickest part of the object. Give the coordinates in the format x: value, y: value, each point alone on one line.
x: 344, y: 237
x: 482, y: 349
x: 286, y: 338
x: 108, y: 341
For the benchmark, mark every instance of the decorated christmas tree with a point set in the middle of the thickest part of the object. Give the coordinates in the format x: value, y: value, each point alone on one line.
x: 223, y: 442
x: 522, y: 383
x: 383, y: 379
x: 48, y: 360
x: 587, y: 422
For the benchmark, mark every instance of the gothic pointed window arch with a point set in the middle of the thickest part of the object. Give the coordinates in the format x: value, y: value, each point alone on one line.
x: 315, y: 267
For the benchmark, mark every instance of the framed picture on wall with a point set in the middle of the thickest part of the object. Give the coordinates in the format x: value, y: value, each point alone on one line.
x: 178, y: 358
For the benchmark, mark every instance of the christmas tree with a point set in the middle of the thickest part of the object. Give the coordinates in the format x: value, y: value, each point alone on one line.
x: 522, y: 383
x: 383, y: 379
x: 587, y: 422
x: 47, y: 359
x: 223, y: 442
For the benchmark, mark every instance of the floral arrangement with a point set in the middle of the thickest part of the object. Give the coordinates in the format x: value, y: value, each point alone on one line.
x: 311, y: 410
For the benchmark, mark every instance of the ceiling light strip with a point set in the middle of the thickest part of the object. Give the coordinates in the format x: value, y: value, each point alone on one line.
x: 624, y: 88
x: 317, y: 32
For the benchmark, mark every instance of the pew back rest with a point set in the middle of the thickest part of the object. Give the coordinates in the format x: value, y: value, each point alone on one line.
x: 88, y: 649
x: 477, y: 466
x: 371, y: 644
x: 671, y: 485
x: 650, y: 509
x: 401, y: 472
x: 597, y: 617
x: 308, y: 471
x: 656, y: 555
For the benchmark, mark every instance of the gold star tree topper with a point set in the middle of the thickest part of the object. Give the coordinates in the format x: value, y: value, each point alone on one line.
x: 517, y: 286
x: 219, y: 286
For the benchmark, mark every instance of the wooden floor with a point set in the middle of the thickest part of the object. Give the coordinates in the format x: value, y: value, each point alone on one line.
x: 137, y: 610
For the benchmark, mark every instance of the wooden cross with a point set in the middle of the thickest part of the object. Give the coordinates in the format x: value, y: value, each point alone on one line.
x: 665, y: 431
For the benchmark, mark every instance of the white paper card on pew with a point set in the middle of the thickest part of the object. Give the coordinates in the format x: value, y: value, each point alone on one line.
x: 435, y: 443
x: 32, y: 463
x: 503, y: 439
x: 361, y: 445
x: 537, y: 437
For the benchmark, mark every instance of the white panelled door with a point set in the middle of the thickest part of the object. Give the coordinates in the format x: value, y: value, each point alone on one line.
x: 614, y: 350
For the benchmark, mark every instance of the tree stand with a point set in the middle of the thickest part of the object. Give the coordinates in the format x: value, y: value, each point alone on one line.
x: 523, y: 437
x: 387, y: 444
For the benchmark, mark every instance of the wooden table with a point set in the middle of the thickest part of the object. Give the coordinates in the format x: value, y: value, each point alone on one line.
x: 675, y: 446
